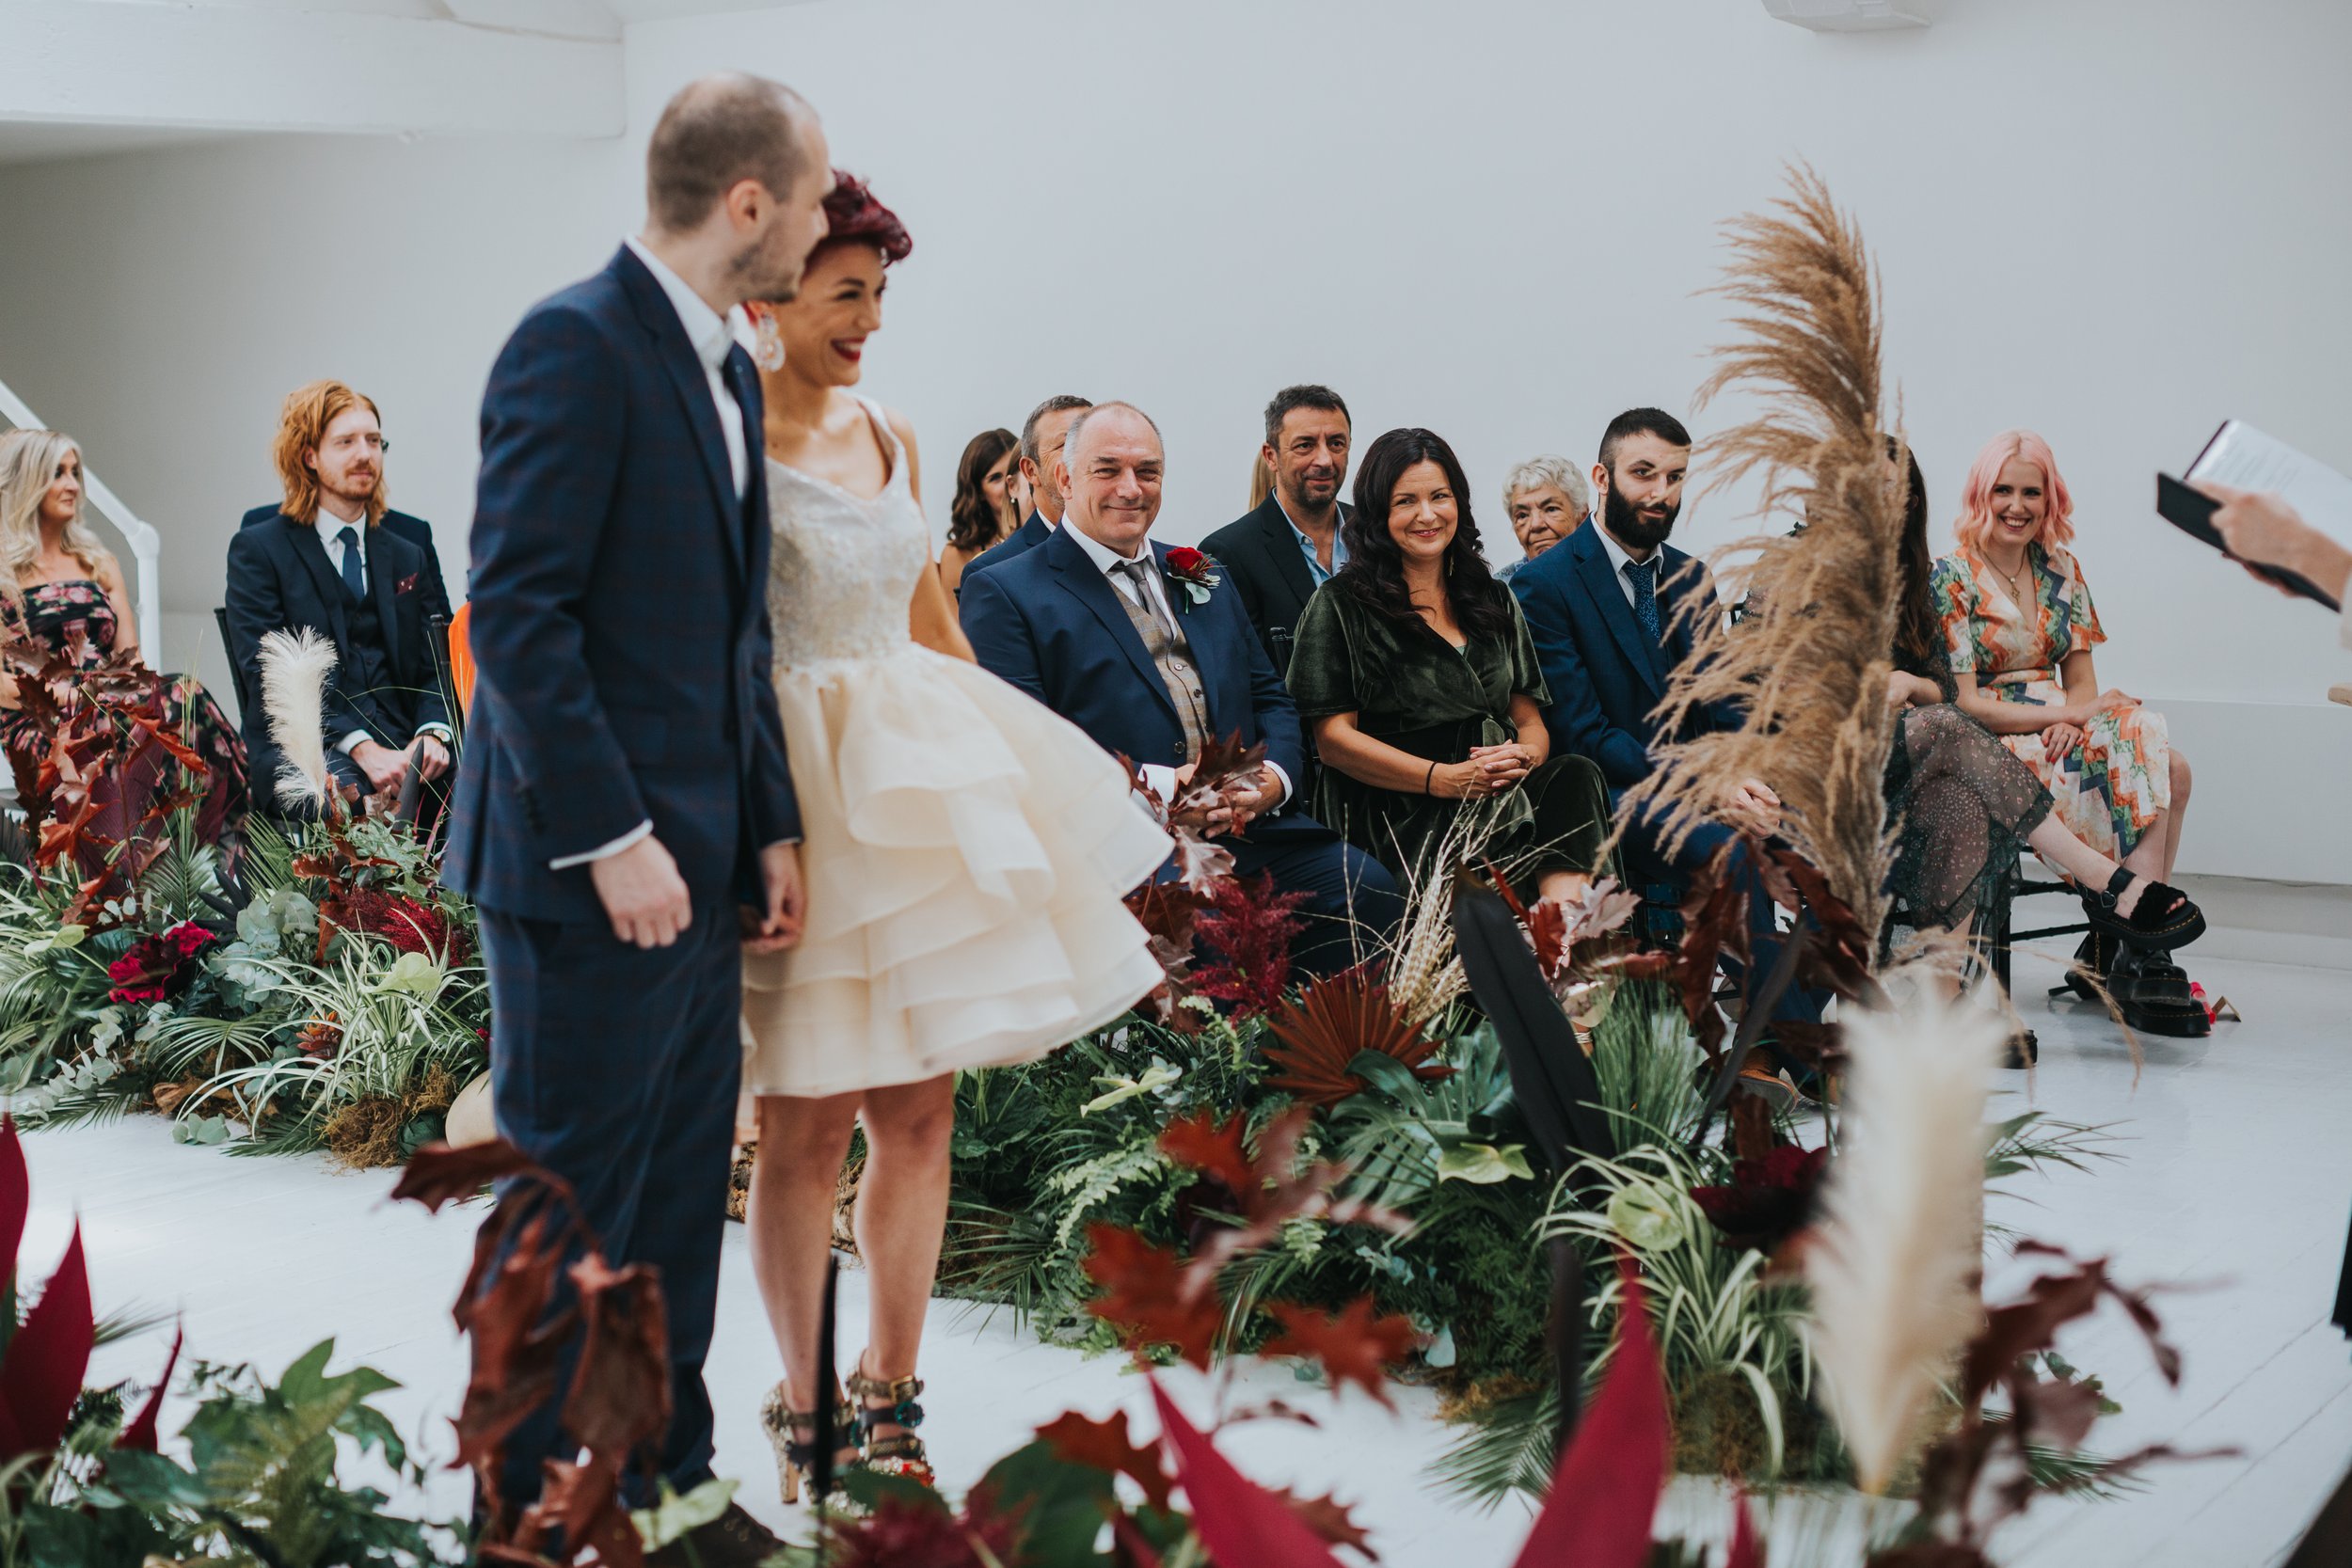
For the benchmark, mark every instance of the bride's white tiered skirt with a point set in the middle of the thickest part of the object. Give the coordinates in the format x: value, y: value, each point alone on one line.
x: 966, y: 850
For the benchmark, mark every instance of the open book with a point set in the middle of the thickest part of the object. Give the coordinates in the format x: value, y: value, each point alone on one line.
x: 2246, y: 459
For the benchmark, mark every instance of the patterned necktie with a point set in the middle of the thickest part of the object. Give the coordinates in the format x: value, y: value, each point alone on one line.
x: 1138, y: 572
x: 353, y: 577
x: 1642, y: 575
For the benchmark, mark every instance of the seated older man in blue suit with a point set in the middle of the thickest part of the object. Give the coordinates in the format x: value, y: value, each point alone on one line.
x: 1091, y: 624
x: 1604, y: 606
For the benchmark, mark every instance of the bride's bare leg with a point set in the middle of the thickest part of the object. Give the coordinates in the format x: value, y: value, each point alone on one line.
x: 902, y: 1216
x: 789, y: 1218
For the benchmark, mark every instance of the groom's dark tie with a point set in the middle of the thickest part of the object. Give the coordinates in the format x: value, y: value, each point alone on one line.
x: 743, y: 382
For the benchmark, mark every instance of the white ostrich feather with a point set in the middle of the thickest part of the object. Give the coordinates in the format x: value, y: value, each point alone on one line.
x: 1897, y: 1262
x: 294, y: 666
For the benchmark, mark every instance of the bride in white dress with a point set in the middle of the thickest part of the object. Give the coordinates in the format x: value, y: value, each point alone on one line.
x: 966, y: 853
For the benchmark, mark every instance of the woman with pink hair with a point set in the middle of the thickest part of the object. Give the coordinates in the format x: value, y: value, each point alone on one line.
x: 2020, y: 627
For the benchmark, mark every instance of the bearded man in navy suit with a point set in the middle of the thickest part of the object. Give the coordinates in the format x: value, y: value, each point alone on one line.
x: 624, y: 817
x: 1609, y: 610
x: 1152, y: 662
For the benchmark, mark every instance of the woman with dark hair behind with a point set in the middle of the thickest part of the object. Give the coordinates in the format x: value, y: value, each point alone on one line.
x: 982, y: 513
x: 1417, y: 678
x: 1967, y: 805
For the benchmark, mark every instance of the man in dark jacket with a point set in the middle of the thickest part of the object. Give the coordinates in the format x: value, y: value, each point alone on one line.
x: 1280, y: 553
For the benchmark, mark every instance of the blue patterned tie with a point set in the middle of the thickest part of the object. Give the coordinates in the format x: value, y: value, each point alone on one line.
x: 1642, y: 575
x: 353, y: 577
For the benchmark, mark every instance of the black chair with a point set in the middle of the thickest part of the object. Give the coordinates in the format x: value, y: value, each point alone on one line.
x: 246, y: 699
x: 2000, y: 930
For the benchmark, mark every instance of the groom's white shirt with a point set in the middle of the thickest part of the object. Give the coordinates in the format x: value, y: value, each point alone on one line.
x: 712, y: 336
x: 1107, y: 561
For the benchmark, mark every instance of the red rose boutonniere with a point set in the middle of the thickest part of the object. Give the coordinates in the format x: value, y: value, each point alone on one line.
x: 1192, y: 571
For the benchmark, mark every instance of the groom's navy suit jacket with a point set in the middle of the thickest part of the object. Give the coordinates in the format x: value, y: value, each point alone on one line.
x: 1606, y: 676
x: 1049, y: 620
x: 620, y: 627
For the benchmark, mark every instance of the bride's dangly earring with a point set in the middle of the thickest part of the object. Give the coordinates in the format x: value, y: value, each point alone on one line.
x: 767, y: 342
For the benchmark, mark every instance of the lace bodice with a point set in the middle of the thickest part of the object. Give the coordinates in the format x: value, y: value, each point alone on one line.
x: 843, y: 568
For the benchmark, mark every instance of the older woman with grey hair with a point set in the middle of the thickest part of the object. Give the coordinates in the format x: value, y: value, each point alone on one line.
x: 1546, y: 499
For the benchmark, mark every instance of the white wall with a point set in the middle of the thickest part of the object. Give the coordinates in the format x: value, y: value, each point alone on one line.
x: 160, y: 304
x: 2113, y: 221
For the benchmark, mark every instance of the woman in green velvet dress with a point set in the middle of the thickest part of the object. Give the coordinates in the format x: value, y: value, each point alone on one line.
x: 1418, y: 679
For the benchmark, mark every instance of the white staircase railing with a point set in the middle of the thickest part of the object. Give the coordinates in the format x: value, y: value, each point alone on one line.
x: 147, y: 546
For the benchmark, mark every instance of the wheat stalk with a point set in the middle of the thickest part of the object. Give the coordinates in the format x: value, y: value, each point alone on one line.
x: 1810, y: 664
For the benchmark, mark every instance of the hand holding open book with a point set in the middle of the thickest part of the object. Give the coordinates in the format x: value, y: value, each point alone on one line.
x: 2284, y: 515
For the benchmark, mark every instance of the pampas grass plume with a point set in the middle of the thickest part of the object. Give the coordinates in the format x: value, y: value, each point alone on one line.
x: 294, y: 666
x: 1897, y: 1261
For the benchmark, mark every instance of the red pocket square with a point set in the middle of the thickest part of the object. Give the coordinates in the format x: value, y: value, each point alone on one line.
x: 407, y: 585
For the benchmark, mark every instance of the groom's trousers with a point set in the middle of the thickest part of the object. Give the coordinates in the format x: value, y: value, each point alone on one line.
x: 617, y: 1068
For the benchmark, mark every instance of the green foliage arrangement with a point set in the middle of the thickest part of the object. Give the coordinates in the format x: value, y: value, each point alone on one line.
x: 340, y: 1007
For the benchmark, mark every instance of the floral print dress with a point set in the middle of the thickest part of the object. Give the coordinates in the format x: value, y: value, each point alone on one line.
x: 78, y: 615
x: 2109, y: 790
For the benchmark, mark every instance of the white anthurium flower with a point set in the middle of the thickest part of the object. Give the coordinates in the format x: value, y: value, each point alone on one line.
x: 1157, y: 1076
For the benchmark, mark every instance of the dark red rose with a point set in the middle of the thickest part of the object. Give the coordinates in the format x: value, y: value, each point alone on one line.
x: 1184, y: 558
x: 1769, y: 1200
x: 158, y: 965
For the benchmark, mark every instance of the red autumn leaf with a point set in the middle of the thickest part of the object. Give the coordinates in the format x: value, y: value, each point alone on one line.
x: 503, y: 1310
x: 141, y: 1432
x: 1744, y: 1552
x: 1242, y: 1524
x: 1106, y: 1445
x: 1145, y: 1295
x: 620, y: 1394
x: 1354, y: 1345
x: 1279, y: 1191
x: 1198, y: 1141
x: 439, y: 1174
x: 41, y: 1376
x: 181, y: 753
x: 1605, y: 1490
x: 16, y: 1199
x: 1330, y: 1519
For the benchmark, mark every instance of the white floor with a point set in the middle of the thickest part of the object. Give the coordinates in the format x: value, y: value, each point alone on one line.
x: 2235, y: 1177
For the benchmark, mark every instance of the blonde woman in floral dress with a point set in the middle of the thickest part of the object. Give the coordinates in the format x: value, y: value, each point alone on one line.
x: 2020, y: 627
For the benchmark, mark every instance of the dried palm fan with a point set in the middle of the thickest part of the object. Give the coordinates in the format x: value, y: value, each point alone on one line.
x: 1810, y: 664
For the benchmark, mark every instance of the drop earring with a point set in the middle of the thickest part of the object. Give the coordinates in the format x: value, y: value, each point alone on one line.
x: 767, y: 343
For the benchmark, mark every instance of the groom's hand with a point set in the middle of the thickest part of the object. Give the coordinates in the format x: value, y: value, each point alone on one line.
x: 643, y: 894
x: 780, y: 924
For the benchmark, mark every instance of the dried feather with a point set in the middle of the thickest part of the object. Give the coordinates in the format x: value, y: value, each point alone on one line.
x: 1810, y: 664
x: 295, y: 668
x: 1894, y: 1263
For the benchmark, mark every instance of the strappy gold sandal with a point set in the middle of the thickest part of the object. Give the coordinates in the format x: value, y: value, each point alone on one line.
x: 901, y: 1454
x: 793, y: 1435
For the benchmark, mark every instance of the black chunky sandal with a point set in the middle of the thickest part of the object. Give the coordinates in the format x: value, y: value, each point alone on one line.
x: 901, y: 1454
x: 2164, y: 918
x: 2151, y: 992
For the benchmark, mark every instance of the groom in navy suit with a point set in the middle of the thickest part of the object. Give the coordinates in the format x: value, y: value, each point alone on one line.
x: 1093, y: 623
x: 625, y: 817
x: 1606, y: 608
